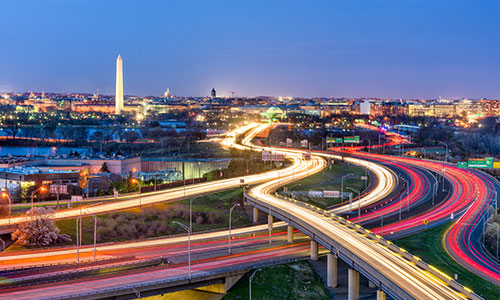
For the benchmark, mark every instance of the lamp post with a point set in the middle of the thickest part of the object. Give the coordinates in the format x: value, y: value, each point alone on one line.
x: 250, y: 283
x: 191, y: 213
x: 189, y: 244
x: 400, y: 196
x: 359, y: 202
x: 496, y: 197
x: 95, y: 235
x: 5, y: 194
x: 41, y: 189
x: 381, y: 218
x: 446, y: 153
x: 77, y: 219
x: 408, y: 196
x: 342, y: 184
x: 230, y: 212
x: 135, y: 181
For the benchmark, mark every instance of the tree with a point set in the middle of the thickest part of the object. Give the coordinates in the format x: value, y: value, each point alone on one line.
x: 131, y: 136
x: 104, y: 168
x: 100, y: 138
x: 39, y: 229
x: 49, y: 129
x: 12, y: 127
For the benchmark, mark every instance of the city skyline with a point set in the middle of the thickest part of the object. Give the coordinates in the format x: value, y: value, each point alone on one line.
x: 323, y: 49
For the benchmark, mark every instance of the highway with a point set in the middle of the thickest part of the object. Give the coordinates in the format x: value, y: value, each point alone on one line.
x: 471, y: 191
x: 302, y: 168
x: 205, y: 260
x: 416, y: 282
x: 463, y: 239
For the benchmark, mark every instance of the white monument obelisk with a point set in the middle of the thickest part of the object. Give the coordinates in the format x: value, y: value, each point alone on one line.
x: 119, y: 86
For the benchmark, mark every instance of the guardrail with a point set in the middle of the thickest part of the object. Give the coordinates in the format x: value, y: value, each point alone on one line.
x: 368, y: 271
x: 183, y: 280
x: 26, y: 268
x: 72, y: 274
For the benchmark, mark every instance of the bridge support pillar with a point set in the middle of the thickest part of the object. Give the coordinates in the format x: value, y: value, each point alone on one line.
x: 353, y: 282
x: 270, y: 222
x: 331, y: 273
x: 371, y: 284
x: 380, y: 295
x: 255, y: 215
x: 314, y: 250
x: 289, y: 234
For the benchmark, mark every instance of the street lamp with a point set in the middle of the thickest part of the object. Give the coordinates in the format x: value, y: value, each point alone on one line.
x: 496, y: 197
x: 446, y: 153
x: 342, y: 184
x: 359, y: 202
x: 250, y: 283
x: 189, y: 244
x: 78, y: 245
x: 191, y: 213
x: 78, y: 222
x: 230, y: 212
x: 381, y: 218
x: 135, y: 181
x: 95, y: 235
x: 5, y: 194
x: 41, y: 189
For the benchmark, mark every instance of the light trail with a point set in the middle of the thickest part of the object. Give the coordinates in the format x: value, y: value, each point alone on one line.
x: 415, y: 281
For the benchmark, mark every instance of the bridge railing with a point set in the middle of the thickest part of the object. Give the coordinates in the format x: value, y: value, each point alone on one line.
x: 182, y: 280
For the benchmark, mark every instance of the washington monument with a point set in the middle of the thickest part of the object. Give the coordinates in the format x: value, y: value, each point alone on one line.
x: 119, y: 86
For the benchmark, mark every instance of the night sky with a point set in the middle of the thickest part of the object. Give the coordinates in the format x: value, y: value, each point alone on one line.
x: 351, y: 48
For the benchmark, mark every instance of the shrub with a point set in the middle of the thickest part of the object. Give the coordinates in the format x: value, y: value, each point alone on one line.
x: 39, y: 229
x: 199, y: 219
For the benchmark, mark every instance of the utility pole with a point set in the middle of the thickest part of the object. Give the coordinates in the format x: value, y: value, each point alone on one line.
x: 77, y: 246
x: 342, y: 184
x: 189, y: 244
x: 250, y: 284
x: 95, y: 235
x: 230, y: 212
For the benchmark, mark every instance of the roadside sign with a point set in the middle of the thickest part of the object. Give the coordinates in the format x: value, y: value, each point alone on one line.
x: 58, y: 189
x: 496, y: 164
x: 332, y: 140
x: 364, y: 177
x: 462, y: 164
x: 315, y: 194
x: 351, y: 139
x: 268, y: 156
x: 489, y: 162
x: 76, y: 198
x: 484, y: 163
x: 331, y: 194
x: 426, y: 222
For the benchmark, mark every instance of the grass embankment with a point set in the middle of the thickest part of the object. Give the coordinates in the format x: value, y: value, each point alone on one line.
x: 209, y: 212
x: 295, y: 280
x: 428, y: 245
x: 330, y: 180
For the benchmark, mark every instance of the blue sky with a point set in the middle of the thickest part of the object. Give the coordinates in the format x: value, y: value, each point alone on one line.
x: 351, y: 48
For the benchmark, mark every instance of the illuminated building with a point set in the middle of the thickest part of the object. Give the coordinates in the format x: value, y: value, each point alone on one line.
x: 18, y: 177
